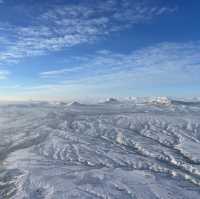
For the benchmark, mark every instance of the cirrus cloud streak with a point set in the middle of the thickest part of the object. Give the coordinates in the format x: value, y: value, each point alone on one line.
x: 64, y: 26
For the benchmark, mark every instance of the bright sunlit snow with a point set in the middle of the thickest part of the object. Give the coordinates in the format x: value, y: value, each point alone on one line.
x: 135, y: 149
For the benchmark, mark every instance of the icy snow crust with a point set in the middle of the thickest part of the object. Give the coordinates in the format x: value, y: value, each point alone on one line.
x: 103, y: 151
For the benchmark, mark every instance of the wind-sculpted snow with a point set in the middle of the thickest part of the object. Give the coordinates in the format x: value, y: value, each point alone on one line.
x: 103, y: 151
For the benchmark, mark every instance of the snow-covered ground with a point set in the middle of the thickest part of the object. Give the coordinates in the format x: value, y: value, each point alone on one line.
x: 135, y: 149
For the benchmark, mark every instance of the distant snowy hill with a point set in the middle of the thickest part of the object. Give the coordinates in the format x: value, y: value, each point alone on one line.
x: 112, y: 101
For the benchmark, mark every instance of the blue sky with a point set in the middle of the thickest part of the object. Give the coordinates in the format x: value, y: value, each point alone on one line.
x: 78, y: 49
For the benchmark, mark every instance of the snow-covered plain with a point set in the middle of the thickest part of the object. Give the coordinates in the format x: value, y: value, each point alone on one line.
x: 135, y: 149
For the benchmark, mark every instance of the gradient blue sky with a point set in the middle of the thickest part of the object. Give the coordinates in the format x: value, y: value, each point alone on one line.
x: 75, y: 49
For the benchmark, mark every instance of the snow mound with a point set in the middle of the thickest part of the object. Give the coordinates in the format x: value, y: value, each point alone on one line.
x: 112, y: 101
x: 75, y: 103
x: 150, y: 100
x: 160, y: 101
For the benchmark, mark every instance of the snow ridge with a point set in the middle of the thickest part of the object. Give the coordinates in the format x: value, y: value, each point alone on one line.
x: 118, y: 149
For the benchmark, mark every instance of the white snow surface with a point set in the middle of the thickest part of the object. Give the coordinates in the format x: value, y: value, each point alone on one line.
x: 112, y: 150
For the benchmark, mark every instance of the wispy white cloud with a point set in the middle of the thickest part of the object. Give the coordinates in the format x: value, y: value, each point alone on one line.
x: 58, y: 73
x: 4, y: 74
x: 165, y: 63
x: 11, y: 87
x: 65, y: 26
